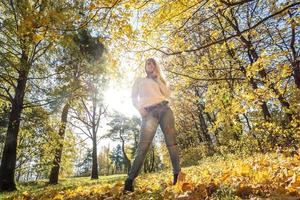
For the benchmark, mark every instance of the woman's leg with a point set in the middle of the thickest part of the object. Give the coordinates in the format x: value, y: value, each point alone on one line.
x: 147, y: 132
x: 167, y: 124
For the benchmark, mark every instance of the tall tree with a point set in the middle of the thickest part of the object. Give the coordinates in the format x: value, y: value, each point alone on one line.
x: 27, y: 32
x: 87, y: 114
x: 82, y: 52
x: 123, y: 129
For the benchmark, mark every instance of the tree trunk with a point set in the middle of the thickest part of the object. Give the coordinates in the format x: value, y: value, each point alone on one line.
x: 205, y: 135
x: 95, y: 163
x: 126, y: 159
x: 8, y: 162
x: 153, y: 159
x: 18, y: 176
x: 53, y: 179
x: 107, y: 161
x: 145, y: 165
x: 296, y: 74
x: 216, y: 133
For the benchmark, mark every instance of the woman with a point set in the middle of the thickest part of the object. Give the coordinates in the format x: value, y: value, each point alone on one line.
x: 149, y: 97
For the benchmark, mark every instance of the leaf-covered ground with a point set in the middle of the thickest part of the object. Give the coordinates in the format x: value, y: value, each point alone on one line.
x: 262, y: 176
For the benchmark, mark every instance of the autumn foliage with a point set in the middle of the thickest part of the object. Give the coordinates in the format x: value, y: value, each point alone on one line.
x: 233, y: 68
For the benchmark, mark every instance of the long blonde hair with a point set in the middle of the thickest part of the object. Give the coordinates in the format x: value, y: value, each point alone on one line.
x: 157, y: 68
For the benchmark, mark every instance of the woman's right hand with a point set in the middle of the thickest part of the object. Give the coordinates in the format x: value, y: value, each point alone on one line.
x: 155, y: 75
x: 143, y: 112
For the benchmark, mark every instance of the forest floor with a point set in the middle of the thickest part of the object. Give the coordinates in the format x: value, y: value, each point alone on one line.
x: 261, y: 176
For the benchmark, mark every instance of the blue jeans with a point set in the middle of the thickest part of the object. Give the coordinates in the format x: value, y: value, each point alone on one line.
x: 162, y: 115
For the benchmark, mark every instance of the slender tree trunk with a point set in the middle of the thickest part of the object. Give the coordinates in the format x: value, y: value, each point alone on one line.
x: 206, y: 137
x: 27, y: 176
x: 37, y: 176
x: 153, y: 160
x: 146, y: 165
x: 18, y: 176
x: 53, y: 179
x: 216, y: 133
x: 8, y: 161
x: 107, y: 161
x: 198, y: 131
x: 126, y: 159
x: 95, y: 163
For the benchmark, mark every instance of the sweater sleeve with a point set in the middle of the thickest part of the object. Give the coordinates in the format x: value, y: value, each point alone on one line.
x: 134, y: 93
x: 165, y: 90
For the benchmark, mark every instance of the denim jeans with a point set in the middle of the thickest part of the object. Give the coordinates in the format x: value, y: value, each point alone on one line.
x: 162, y: 115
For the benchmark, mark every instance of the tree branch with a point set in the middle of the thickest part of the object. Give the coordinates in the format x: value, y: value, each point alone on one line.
x: 224, y: 39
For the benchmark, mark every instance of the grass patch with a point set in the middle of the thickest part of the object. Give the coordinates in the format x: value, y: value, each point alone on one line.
x: 261, y: 176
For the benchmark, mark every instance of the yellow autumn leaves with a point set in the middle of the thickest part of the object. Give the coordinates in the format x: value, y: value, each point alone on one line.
x: 262, y: 175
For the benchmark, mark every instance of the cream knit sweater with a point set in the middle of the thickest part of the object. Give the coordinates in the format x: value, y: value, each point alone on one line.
x: 147, y: 92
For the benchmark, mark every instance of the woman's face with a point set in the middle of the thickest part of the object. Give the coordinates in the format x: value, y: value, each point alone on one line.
x: 150, y: 67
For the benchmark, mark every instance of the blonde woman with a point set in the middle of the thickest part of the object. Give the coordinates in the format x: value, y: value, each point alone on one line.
x: 150, y: 97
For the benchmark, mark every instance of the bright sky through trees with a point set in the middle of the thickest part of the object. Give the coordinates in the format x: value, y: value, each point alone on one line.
x: 66, y: 74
